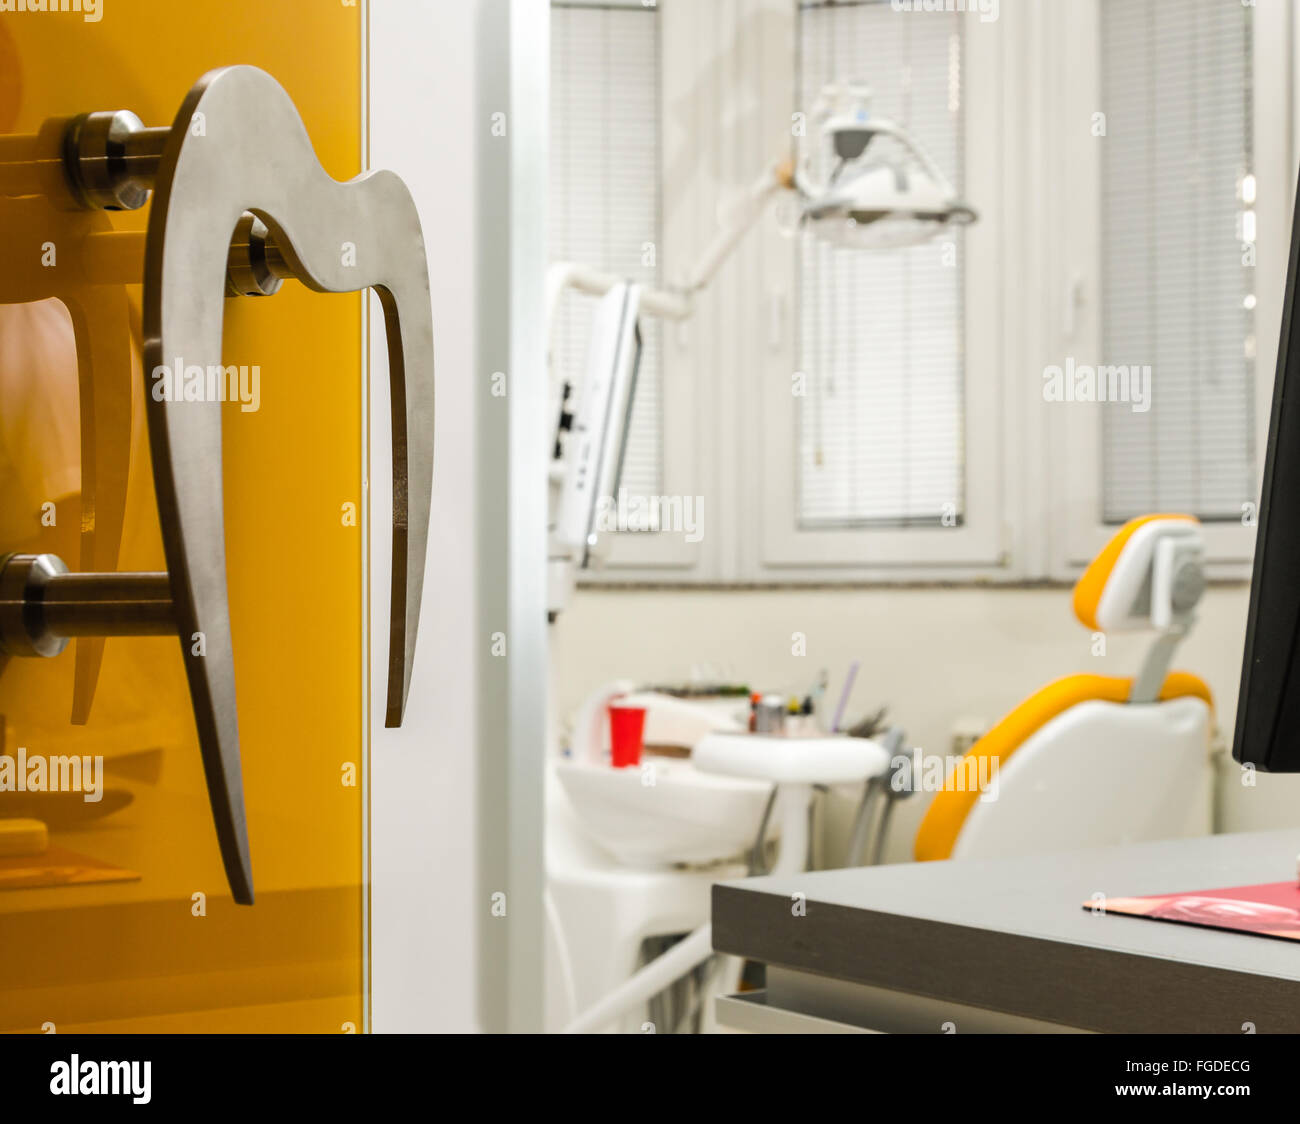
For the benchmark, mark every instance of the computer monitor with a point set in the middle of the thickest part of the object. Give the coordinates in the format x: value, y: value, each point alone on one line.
x: 1268, y: 706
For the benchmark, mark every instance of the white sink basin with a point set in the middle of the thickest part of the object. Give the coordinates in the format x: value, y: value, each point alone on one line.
x: 686, y: 816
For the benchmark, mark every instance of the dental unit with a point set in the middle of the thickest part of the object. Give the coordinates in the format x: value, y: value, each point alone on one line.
x: 1154, y: 728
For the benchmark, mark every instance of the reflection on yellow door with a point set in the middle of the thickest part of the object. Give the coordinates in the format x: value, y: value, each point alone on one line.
x: 118, y: 916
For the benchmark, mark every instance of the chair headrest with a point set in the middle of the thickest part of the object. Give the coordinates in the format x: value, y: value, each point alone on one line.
x: 1149, y: 576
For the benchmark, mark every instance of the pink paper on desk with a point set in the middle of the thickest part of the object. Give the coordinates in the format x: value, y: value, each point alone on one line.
x: 1268, y: 910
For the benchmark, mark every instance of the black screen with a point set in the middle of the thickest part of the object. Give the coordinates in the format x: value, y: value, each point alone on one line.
x: 1268, y: 707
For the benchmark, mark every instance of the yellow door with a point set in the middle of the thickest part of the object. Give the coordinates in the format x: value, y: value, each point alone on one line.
x: 119, y: 917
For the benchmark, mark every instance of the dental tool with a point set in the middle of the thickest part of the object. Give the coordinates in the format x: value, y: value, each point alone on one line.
x: 845, y: 691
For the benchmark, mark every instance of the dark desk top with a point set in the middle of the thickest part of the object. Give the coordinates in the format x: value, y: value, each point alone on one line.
x: 1011, y: 935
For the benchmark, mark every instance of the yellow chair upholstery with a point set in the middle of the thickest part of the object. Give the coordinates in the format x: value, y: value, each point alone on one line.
x: 1089, y: 588
x: 948, y: 811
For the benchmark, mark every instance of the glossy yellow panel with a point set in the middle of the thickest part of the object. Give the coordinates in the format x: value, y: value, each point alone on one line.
x: 168, y: 950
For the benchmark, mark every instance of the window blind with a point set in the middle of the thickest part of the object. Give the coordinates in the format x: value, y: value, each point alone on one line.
x: 1176, y: 211
x: 881, y: 333
x: 604, y: 192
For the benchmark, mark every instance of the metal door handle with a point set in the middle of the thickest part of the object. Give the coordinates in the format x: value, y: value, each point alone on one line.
x: 237, y: 148
x: 43, y: 605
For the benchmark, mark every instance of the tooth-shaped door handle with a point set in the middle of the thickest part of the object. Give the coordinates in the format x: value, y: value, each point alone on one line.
x: 238, y: 146
x: 252, y: 153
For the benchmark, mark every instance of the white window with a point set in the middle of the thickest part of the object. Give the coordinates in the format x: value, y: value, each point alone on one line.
x: 881, y: 335
x: 1177, y: 220
x: 886, y: 464
x: 1178, y: 231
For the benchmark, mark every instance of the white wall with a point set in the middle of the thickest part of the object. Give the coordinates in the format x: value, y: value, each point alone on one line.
x: 458, y: 109
x: 422, y: 777
x: 934, y: 655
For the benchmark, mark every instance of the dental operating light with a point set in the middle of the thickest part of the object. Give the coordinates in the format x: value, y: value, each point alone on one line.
x: 869, y: 200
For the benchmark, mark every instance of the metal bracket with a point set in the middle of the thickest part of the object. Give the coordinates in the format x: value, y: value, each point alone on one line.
x: 42, y: 605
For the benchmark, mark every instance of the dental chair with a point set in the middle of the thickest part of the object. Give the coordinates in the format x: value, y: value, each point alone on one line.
x: 1091, y: 760
x: 1085, y: 761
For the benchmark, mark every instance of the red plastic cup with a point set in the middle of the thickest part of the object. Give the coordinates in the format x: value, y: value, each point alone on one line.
x: 626, y: 731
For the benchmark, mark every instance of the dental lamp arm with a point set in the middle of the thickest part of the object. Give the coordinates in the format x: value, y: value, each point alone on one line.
x: 676, y: 303
x: 745, y: 214
x: 572, y: 275
x: 562, y: 275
